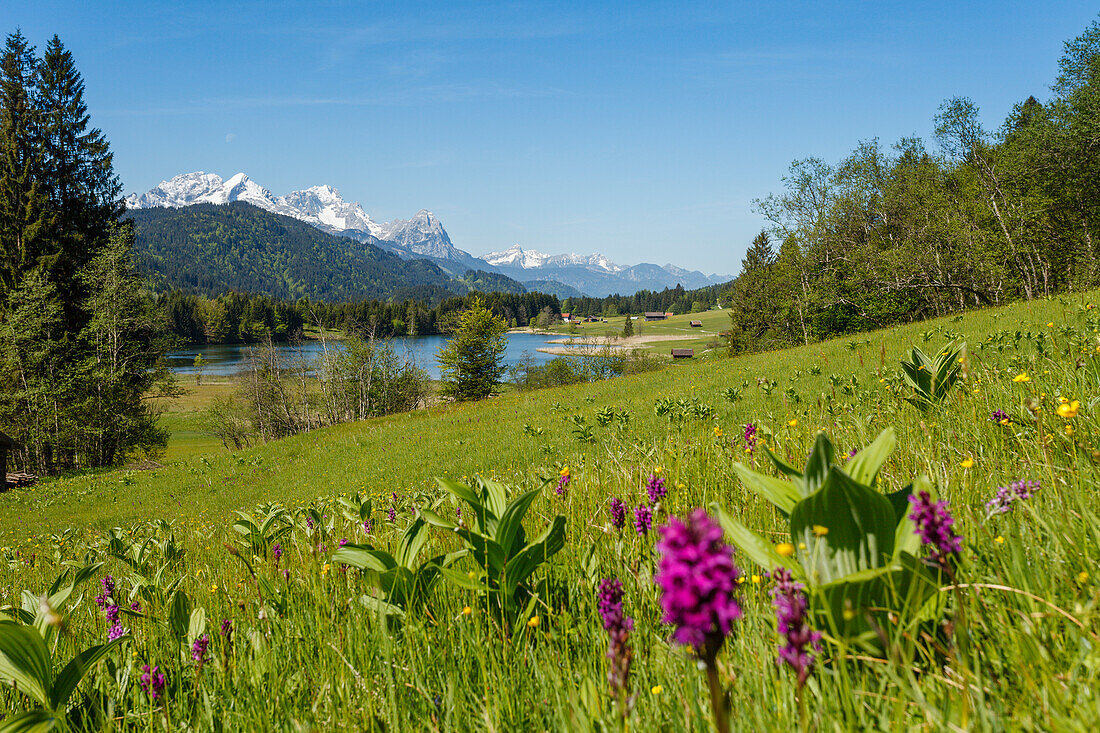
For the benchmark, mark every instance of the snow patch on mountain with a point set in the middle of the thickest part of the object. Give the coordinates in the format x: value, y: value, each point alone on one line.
x: 321, y: 206
x: 530, y: 259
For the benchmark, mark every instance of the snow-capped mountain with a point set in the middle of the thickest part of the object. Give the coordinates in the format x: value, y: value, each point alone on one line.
x: 594, y: 274
x: 530, y: 259
x: 421, y: 237
x: 321, y: 206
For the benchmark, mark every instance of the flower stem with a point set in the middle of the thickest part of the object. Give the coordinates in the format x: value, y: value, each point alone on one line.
x: 717, y: 699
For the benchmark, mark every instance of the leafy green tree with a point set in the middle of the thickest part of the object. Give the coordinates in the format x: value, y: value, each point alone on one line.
x: 628, y: 327
x: 472, y: 362
x: 126, y: 339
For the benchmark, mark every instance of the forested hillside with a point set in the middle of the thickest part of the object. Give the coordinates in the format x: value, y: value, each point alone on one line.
x: 894, y: 234
x: 212, y: 249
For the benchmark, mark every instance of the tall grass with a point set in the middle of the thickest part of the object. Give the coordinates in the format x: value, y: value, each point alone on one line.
x: 319, y: 658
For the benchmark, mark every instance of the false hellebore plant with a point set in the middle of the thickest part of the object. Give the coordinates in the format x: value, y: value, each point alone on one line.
x: 932, y: 380
x: 496, y: 541
x: 854, y: 549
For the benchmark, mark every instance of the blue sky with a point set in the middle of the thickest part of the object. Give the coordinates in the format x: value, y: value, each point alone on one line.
x: 640, y: 130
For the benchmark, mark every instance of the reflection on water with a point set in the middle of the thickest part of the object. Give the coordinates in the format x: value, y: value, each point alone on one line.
x: 225, y: 359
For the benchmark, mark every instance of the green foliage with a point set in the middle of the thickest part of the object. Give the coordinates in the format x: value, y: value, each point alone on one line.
x: 932, y: 379
x: 472, y: 362
x: 496, y: 541
x: 854, y: 547
x: 402, y: 584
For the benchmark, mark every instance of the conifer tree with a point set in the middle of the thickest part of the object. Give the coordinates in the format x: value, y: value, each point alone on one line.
x: 83, y: 191
x: 23, y: 215
x: 472, y: 362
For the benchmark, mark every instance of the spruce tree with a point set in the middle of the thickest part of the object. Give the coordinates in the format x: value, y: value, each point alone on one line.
x: 83, y: 191
x: 472, y: 362
x: 23, y: 215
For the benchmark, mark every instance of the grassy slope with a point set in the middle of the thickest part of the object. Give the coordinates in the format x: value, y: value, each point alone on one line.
x: 406, y: 451
x: 1033, y: 621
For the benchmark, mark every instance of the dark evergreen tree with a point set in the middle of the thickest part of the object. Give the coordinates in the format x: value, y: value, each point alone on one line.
x: 24, y: 219
x: 83, y: 191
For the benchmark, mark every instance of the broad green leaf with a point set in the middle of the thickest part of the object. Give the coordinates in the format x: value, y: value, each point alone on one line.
x: 817, y: 465
x: 364, y: 557
x: 196, y: 624
x: 842, y: 528
x: 783, y: 467
x: 25, y: 660
x: 462, y: 580
x: 381, y: 607
x: 759, y: 550
x: 510, y: 527
x: 545, y: 546
x: 75, y: 670
x: 434, y: 519
x: 179, y: 613
x: 32, y: 721
x: 782, y: 493
x: 496, y: 496
x: 412, y: 539
x: 864, y: 466
x: 462, y: 492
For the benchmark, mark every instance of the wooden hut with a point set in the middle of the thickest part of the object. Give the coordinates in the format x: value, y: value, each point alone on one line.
x: 683, y: 353
x: 6, y: 444
x: 655, y: 316
x: 696, y: 324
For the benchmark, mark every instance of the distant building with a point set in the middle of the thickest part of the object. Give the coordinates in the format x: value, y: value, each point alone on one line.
x: 696, y: 324
x: 656, y: 315
x: 683, y: 353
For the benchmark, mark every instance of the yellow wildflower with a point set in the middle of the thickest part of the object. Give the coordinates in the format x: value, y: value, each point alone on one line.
x: 999, y: 540
x: 564, y: 471
x: 1021, y: 377
x: 967, y: 463
x: 325, y: 568
x: 1050, y: 325
x: 756, y: 579
x: 786, y: 549
x: 717, y: 432
x: 793, y: 423
x: 533, y: 622
x: 466, y: 611
x: 1082, y: 576
x: 657, y: 470
x: 656, y: 689
x: 820, y: 531
x: 1069, y: 409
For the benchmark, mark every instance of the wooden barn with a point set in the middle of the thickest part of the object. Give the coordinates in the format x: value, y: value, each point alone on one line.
x: 696, y: 324
x: 655, y: 315
x: 683, y: 353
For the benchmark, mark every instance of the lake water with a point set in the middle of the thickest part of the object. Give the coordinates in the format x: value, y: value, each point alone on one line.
x: 225, y: 359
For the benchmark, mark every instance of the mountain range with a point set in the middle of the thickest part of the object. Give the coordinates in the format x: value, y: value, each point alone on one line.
x: 422, y: 237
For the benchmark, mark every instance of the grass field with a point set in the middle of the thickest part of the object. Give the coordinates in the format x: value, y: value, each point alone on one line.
x: 675, y: 328
x: 310, y: 648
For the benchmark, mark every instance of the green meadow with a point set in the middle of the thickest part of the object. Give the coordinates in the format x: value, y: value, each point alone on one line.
x: 317, y: 645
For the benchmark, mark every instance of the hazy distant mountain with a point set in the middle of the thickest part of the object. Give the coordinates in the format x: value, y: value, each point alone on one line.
x: 595, y: 274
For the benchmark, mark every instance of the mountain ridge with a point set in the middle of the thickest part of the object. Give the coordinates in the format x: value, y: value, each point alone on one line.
x: 420, y: 237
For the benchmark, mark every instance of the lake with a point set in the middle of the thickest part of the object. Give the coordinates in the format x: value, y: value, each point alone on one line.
x: 225, y: 359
